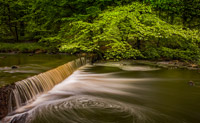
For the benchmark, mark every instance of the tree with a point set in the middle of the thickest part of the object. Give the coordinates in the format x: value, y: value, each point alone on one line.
x: 12, y: 14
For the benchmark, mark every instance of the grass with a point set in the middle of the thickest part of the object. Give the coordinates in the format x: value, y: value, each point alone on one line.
x: 21, y: 47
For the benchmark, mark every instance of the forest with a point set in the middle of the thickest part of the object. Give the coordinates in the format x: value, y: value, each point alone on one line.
x: 99, y: 61
x: 112, y: 29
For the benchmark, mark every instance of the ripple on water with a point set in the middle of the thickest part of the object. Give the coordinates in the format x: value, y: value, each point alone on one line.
x: 89, y: 109
x: 69, y: 102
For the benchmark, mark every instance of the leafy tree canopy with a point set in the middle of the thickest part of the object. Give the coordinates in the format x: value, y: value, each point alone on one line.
x: 130, y: 31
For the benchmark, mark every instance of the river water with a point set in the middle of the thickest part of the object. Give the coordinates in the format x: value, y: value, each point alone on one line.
x: 28, y: 65
x: 117, y: 93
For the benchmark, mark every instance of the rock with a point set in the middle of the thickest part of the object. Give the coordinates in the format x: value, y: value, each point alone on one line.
x: 14, y: 67
x: 122, y: 64
x: 193, y: 65
x: 4, y: 99
x: 83, y: 54
x: 191, y: 83
x: 3, y: 57
x: 176, y: 61
x: 30, y: 54
x: 38, y: 51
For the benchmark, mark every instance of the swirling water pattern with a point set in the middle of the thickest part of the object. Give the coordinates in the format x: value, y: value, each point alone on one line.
x: 89, y: 97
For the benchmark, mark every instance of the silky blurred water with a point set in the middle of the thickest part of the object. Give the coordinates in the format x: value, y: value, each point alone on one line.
x: 117, y: 93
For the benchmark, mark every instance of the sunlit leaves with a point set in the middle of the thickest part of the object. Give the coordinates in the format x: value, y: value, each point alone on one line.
x: 132, y: 31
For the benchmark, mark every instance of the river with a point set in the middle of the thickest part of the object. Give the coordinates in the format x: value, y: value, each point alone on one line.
x: 28, y: 65
x: 117, y: 92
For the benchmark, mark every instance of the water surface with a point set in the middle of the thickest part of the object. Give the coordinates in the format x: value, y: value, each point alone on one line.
x: 118, y: 93
x: 28, y: 65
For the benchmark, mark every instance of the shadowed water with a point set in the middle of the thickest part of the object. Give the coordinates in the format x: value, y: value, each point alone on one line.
x: 114, y: 93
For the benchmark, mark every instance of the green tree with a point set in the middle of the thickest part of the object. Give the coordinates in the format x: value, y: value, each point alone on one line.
x: 131, y: 31
x: 12, y: 13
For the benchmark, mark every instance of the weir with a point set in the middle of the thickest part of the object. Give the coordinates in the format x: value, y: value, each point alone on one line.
x: 25, y: 91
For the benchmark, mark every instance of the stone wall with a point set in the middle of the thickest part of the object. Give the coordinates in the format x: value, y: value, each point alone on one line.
x: 4, y: 98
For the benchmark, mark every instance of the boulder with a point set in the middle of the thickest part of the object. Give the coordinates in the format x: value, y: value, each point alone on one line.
x: 14, y: 67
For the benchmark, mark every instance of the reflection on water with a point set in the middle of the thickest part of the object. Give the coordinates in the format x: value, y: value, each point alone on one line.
x: 28, y: 65
x: 109, y: 94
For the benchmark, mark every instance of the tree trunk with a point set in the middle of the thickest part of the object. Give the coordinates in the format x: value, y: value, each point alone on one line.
x: 172, y: 18
x: 138, y: 43
x: 16, y: 33
x: 9, y: 21
x: 22, y: 28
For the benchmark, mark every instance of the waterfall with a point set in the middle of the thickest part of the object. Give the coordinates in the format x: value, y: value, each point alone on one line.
x: 29, y: 89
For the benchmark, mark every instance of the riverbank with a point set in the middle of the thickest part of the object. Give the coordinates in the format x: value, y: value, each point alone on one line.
x: 34, y: 48
x: 172, y: 64
x: 22, y: 48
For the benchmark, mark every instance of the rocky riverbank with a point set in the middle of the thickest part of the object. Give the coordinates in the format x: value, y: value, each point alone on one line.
x: 171, y: 64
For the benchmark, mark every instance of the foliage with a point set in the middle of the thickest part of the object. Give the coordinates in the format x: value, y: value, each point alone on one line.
x: 131, y: 31
x: 184, y: 12
x: 52, y: 43
x: 115, y: 29
x: 121, y: 50
x: 35, y: 19
x: 12, y: 14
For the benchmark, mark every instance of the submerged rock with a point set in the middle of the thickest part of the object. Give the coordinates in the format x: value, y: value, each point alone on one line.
x: 191, y: 83
x: 30, y: 54
x: 14, y: 67
x: 3, y: 57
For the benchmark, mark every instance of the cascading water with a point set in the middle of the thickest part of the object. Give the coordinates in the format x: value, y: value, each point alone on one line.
x: 72, y: 101
x: 28, y: 90
x: 114, y: 93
